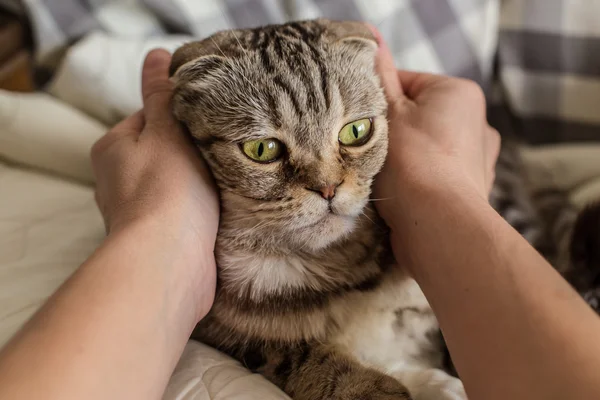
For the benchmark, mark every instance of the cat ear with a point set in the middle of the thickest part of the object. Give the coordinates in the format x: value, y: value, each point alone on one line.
x: 351, y: 33
x: 205, y: 53
x: 196, y: 67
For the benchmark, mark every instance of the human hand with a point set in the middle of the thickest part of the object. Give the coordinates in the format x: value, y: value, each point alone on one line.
x: 439, y: 138
x: 147, y: 173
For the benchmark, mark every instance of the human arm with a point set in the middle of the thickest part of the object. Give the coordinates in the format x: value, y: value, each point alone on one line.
x: 514, y: 327
x: 116, y: 328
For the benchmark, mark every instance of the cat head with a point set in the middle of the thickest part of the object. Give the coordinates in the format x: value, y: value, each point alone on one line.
x: 292, y: 122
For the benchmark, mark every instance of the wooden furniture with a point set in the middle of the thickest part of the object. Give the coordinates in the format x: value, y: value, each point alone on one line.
x: 16, y: 67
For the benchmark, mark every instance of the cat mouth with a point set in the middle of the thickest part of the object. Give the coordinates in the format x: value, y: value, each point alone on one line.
x: 331, y: 216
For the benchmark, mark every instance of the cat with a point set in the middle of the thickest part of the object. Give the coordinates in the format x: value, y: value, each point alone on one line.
x: 569, y: 238
x: 291, y: 120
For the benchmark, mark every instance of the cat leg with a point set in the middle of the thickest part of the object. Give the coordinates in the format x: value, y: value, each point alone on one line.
x: 319, y: 372
x: 431, y: 384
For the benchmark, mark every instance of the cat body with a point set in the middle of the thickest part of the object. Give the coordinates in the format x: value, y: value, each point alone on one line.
x: 292, y: 121
x: 376, y: 321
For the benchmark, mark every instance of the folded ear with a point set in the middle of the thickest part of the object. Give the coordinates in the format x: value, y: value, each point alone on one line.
x: 352, y: 33
x: 222, y: 44
x: 184, y: 54
x: 197, y: 67
x: 196, y: 62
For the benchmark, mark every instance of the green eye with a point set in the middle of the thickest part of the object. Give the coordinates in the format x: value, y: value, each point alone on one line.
x: 356, y: 133
x: 263, y: 150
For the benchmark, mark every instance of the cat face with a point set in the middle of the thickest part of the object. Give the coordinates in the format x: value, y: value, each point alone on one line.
x: 291, y: 119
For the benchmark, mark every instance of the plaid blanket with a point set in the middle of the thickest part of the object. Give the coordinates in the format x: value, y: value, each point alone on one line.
x: 549, y: 68
x: 545, y: 52
x: 443, y: 36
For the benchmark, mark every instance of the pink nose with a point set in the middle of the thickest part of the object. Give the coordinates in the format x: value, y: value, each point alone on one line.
x: 328, y: 192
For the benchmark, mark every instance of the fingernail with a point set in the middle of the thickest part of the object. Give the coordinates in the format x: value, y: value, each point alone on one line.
x: 376, y: 33
x: 157, y: 57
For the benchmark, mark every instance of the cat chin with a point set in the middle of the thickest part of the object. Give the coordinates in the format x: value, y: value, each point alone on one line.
x: 329, y: 230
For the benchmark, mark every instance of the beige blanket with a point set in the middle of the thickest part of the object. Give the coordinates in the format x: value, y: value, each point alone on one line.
x: 49, y: 225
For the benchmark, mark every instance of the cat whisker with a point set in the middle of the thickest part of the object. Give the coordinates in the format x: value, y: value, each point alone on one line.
x: 301, y: 249
x: 367, y: 217
x: 218, y: 47
x: 239, y: 42
x: 382, y: 199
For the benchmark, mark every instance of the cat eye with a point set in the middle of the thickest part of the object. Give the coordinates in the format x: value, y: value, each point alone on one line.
x: 263, y: 150
x: 356, y: 133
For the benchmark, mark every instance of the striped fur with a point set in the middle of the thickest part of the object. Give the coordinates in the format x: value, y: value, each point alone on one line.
x: 307, y: 294
x: 566, y: 236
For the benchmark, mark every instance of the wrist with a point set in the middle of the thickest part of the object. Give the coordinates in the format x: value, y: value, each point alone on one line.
x: 423, y: 199
x: 179, y: 254
x: 426, y: 216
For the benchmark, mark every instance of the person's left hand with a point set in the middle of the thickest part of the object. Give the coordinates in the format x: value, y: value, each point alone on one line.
x: 148, y: 173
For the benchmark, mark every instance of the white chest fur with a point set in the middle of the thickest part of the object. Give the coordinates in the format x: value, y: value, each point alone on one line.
x: 389, y: 328
x: 268, y: 275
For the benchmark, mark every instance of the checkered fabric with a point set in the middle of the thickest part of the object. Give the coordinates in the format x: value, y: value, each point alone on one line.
x: 549, y: 68
x: 456, y: 37
x: 547, y: 52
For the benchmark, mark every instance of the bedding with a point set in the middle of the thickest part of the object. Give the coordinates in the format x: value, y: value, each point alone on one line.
x: 549, y: 67
x: 457, y: 37
x: 93, y: 52
x: 49, y: 225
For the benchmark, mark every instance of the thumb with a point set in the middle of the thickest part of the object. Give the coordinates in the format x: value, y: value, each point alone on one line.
x: 384, y: 64
x: 415, y: 83
x: 157, y: 89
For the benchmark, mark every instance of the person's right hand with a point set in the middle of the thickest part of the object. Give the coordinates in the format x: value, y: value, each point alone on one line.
x: 439, y: 138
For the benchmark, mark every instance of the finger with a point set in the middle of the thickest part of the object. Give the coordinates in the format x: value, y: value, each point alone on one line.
x: 131, y: 125
x: 493, y: 144
x: 157, y: 89
x: 128, y: 129
x: 384, y: 64
x: 413, y: 83
x: 492, y: 151
x: 490, y: 180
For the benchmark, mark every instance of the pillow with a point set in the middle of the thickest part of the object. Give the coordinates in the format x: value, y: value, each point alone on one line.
x: 205, y: 374
x: 42, y: 132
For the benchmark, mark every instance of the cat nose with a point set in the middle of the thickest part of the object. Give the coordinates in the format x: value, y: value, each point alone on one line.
x: 327, y: 192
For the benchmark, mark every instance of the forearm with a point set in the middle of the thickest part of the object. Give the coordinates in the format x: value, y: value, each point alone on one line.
x: 122, y: 319
x: 514, y: 326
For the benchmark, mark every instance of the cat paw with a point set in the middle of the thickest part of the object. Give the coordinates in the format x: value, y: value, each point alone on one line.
x: 446, y: 391
x: 376, y: 387
x: 433, y: 384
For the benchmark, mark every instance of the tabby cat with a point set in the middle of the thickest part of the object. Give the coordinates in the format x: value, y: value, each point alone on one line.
x: 292, y: 122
